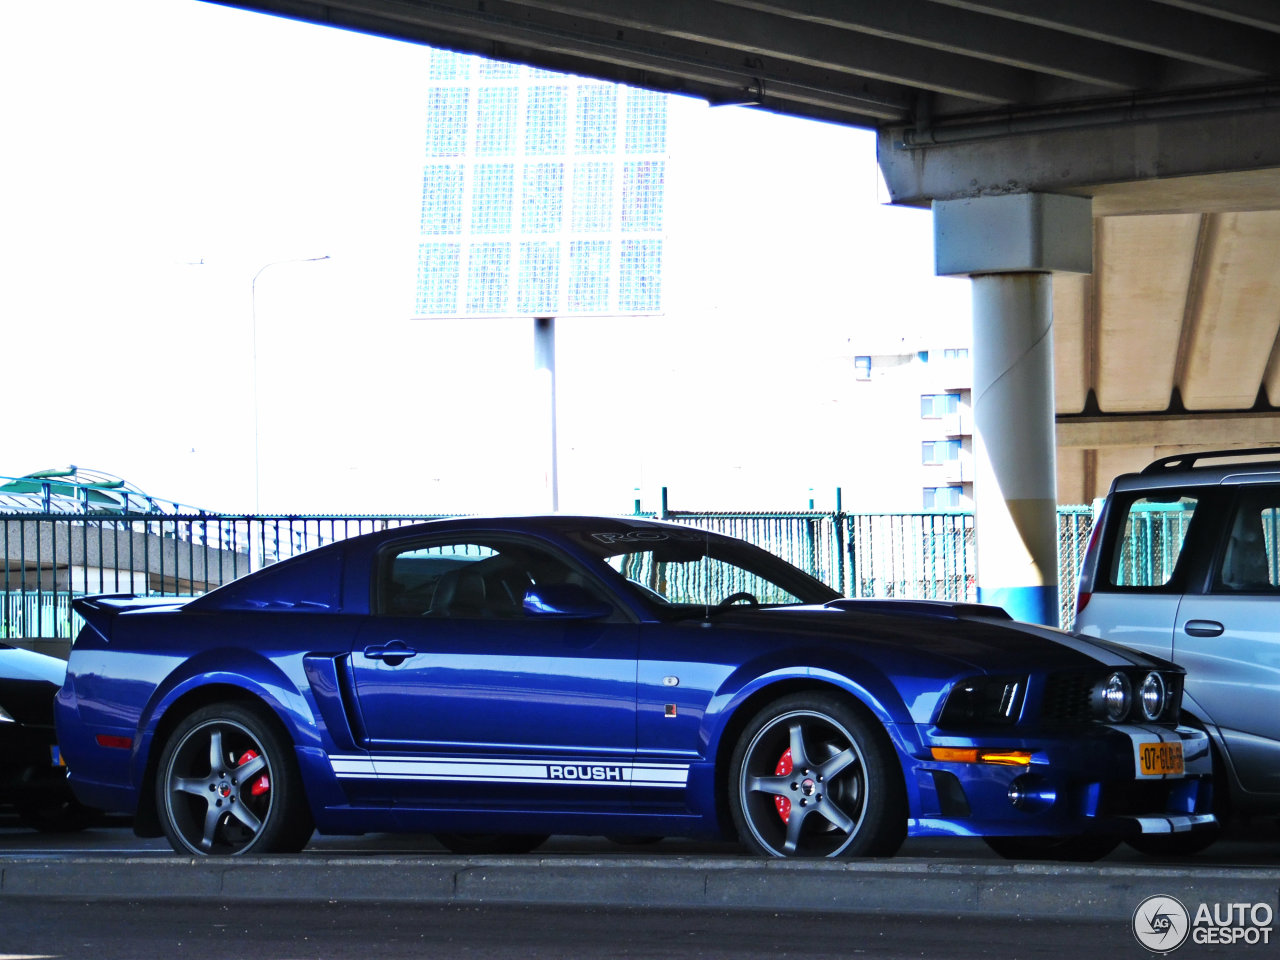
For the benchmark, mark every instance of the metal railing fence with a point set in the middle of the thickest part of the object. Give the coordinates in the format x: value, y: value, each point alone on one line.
x: 49, y: 559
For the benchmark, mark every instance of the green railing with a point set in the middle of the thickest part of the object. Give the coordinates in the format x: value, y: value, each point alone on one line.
x: 49, y: 559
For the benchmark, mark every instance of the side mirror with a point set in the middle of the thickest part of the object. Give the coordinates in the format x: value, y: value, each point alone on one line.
x: 564, y: 601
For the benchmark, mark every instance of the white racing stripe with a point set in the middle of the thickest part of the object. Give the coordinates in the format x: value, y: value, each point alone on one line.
x: 378, y: 767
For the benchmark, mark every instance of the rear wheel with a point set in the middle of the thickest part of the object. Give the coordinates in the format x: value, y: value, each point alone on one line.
x: 67, y: 816
x: 813, y: 777
x: 228, y: 784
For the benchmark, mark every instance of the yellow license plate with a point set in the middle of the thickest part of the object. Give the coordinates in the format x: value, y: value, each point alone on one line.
x: 1160, y: 759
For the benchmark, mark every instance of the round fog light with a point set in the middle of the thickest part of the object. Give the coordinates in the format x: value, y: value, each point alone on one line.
x: 1032, y: 793
x: 1153, y: 696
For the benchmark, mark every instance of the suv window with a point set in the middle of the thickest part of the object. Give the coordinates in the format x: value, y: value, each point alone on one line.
x: 1151, y: 541
x: 1249, y: 557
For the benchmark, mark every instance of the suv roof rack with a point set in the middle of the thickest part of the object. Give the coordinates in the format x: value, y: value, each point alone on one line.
x: 1185, y: 461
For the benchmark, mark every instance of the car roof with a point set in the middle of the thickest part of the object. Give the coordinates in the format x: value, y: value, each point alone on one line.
x: 1206, y: 468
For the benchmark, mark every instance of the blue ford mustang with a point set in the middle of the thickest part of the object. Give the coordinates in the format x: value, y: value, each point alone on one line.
x: 496, y: 681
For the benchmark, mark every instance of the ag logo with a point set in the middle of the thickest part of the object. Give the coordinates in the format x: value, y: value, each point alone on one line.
x: 1161, y: 924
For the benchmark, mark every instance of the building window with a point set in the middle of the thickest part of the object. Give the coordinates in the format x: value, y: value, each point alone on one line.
x: 940, y: 451
x: 638, y: 276
x: 539, y: 288
x: 542, y: 198
x: 642, y: 187
x: 495, y: 121
x: 941, y: 498
x: 646, y: 122
x: 442, y: 199
x: 862, y: 368
x: 935, y: 405
x: 447, y: 121
x: 589, y: 276
x: 545, y: 128
x: 438, y: 277
x: 955, y: 353
x: 492, y: 190
x: 487, y: 273
x: 597, y: 118
x: 592, y: 197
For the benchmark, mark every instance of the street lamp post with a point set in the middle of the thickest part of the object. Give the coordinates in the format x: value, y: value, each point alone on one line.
x: 257, y: 446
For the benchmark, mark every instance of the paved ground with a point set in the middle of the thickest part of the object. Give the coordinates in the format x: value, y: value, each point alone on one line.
x: 957, y: 878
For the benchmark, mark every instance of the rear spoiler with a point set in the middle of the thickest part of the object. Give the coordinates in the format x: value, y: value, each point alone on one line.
x: 99, y: 612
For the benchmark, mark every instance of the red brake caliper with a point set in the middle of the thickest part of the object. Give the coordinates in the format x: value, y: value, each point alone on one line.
x: 782, y: 803
x: 262, y: 784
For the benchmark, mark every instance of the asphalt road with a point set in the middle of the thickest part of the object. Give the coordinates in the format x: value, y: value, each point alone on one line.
x: 386, y: 896
x: 204, y: 931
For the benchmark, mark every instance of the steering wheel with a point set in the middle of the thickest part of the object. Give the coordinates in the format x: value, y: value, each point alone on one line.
x: 733, y: 598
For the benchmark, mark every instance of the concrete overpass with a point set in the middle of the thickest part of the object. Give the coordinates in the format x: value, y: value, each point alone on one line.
x: 1140, y: 142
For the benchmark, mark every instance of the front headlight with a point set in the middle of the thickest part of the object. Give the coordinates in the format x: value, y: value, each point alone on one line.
x: 1154, y: 696
x: 5, y: 717
x: 1115, y: 696
x: 984, y: 700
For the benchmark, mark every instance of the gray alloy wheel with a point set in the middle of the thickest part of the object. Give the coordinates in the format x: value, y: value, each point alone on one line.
x: 228, y: 784
x: 811, y: 776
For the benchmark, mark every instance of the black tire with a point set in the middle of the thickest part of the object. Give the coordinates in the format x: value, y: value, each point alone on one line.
x: 1062, y: 849
x: 845, y: 785
x: 1176, y: 844
x: 228, y: 784
x: 491, y: 843
x: 69, y: 816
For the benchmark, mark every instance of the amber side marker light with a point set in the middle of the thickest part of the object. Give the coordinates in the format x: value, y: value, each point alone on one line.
x: 1004, y: 758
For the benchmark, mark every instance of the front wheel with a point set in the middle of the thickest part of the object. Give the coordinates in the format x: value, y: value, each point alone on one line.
x: 1176, y: 844
x: 1061, y: 849
x: 228, y: 784
x: 812, y: 777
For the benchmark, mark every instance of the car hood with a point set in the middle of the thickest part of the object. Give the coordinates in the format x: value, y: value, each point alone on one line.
x: 28, y: 682
x: 970, y: 635
x: 17, y: 664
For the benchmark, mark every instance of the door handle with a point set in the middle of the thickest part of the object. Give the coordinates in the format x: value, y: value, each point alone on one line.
x: 393, y: 654
x: 1203, y: 628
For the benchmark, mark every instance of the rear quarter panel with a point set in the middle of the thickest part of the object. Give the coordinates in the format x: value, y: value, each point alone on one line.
x: 159, y: 666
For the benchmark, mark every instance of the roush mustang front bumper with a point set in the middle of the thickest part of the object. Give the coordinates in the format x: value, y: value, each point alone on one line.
x: 1123, y: 780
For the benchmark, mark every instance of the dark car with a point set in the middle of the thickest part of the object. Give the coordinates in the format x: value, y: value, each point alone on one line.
x: 1184, y: 564
x: 497, y: 681
x: 32, y: 777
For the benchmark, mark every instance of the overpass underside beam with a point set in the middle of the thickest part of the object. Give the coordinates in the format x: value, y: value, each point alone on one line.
x: 1221, y: 151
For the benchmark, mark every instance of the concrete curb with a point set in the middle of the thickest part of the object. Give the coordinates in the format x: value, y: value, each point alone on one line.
x: 1031, y: 890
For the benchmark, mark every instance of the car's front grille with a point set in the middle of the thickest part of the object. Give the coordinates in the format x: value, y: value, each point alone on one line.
x: 1066, y: 698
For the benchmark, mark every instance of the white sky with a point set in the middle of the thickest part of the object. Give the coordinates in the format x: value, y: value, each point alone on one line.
x: 157, y: 154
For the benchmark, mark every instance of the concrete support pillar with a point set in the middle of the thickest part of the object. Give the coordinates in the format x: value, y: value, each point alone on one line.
x: 1015, y: 466
x: 1010, y: 246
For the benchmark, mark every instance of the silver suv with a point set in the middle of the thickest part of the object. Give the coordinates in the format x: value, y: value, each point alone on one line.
x: 1184, y: 563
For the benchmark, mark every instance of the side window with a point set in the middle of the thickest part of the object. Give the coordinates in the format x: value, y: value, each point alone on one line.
x: 1150, y: 541
x: 466, y: 579
x: 1249, y: 557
